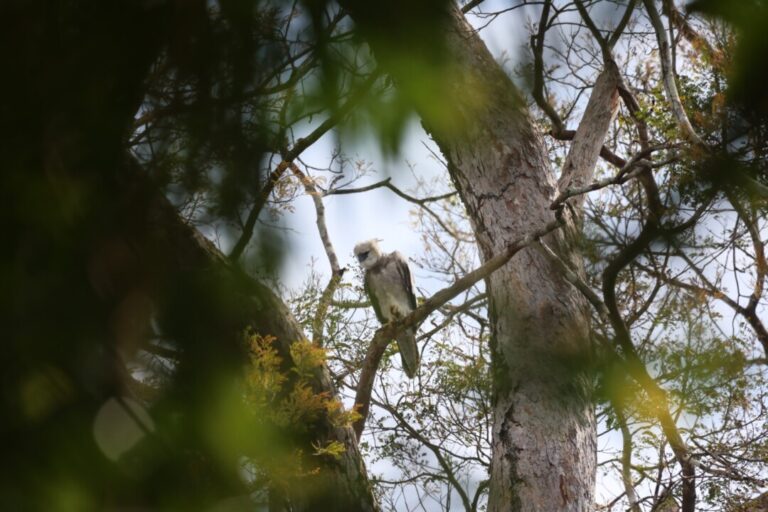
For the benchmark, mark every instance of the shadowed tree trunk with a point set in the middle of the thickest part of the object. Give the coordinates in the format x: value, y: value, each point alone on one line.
x: 339, y: 484
x: 544, y: 434
x: 94, y: 249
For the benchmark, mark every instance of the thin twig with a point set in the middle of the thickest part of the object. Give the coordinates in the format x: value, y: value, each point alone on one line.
x: 421, y: 202
x: 288, y: 158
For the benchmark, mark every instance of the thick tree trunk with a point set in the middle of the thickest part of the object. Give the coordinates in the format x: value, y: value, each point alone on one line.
x: 93, y: 250
x: 544, y: 436
x: 339, y: 484
x: 543, y: 428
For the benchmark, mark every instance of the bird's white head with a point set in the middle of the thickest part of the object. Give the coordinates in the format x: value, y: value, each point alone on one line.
x: 367, y: 253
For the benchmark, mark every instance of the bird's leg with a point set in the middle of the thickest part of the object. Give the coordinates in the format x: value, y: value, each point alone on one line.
x: 394, y: 314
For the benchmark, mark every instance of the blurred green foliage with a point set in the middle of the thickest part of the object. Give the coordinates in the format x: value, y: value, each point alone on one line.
x: 108, y: 108
x: 739, y: 165
x: 122, y: 352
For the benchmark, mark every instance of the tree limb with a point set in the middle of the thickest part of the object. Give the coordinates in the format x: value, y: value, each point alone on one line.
x: 601, y: 108
x: 636, y: 367
x: 668, y: 77
x: 389, y: 331
x: 336, y: 271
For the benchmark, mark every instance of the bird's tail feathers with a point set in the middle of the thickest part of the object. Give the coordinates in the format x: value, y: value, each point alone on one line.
x: 409, y: 352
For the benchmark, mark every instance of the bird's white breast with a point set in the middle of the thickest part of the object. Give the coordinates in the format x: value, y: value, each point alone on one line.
x: 390, y: 291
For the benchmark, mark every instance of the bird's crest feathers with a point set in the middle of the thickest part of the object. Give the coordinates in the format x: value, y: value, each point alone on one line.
x: 368, y: 245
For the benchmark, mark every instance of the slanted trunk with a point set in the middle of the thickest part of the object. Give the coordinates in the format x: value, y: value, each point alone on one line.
x: 91, y: 247
x: 544, y: 435
x: 339, y: 484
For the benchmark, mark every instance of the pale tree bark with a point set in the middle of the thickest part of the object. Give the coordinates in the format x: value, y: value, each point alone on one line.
x: 544, y: 436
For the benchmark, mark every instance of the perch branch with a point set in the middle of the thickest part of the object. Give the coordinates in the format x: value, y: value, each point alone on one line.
x: 387, y: 332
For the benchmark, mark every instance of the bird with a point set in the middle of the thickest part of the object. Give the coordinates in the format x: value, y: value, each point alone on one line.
x: 389, y: 286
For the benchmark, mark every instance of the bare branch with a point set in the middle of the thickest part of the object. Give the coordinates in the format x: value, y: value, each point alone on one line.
x: 626, y: 459
x: 290, y: 155
x: 712, y: 291
x: 602, y: 106
x: 471, y: 5
x: 601, y: 40
x: 436, y: 451
x: 636, y: 165
x: 614, y: 38
x: 537, y: 45
x: 336, y: 271
x: 387, y: 183
x: 668, y: 77
x: 761, y: 266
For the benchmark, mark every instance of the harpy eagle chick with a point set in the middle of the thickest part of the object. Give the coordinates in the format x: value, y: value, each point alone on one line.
x: 389, y: 285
